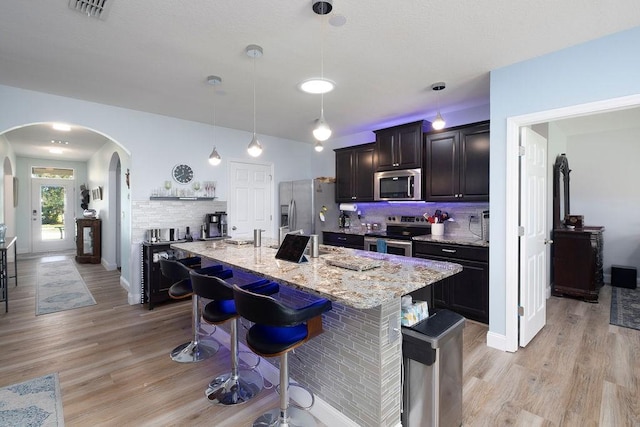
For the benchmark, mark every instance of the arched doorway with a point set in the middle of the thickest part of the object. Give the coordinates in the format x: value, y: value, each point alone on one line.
x: 97, y: 161
x: 114, y: 185
x: 8, y: 200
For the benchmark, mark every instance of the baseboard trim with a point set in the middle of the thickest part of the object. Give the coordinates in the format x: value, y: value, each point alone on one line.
x: 109, y: 266
x: 324, y: 412
x: 497, y: 341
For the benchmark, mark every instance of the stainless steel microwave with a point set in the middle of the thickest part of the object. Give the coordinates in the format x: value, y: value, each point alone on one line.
x: 405, y: 184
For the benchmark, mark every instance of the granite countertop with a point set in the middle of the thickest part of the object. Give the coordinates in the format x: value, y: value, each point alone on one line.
x: 457, y: 240
x: 396, y: 275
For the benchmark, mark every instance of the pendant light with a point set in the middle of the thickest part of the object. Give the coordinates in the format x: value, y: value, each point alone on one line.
x: 318, y: 147
x: 439, y: 122
x: 255, y: 148
x: 322, y: 131
x: 214, y: 157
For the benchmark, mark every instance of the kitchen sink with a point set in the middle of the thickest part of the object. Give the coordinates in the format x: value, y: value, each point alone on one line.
x: 321, y: 252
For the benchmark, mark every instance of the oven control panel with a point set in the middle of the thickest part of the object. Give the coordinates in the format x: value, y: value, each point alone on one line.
x: 407, y: 220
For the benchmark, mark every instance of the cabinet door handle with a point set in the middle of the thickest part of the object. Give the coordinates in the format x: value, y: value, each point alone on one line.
x: 450, y: 251
x: 342, y: 238
x: 548, y: 241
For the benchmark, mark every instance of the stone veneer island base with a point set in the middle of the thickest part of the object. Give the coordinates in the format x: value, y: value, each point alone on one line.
x: 355, y: 365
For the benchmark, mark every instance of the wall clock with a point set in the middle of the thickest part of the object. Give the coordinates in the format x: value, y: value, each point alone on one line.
x: 183, y: 174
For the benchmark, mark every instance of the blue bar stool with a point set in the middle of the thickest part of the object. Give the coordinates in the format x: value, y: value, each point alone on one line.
x: 239, y: 385
x: 279, y: 329
x: 178, y: 273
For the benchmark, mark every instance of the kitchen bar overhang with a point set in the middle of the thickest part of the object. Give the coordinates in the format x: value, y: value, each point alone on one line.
x: 355, y: 366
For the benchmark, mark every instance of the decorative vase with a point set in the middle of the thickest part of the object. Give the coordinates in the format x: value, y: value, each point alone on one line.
x: 437, y: 229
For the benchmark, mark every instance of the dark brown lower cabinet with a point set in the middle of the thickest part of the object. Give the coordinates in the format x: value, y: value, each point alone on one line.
x: 345, y: 240
x: 88, y: 240
x: 466, y: 293
x: 577, y: 262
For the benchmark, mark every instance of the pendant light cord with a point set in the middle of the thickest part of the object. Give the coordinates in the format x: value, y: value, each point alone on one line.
x: 254, y: 95
x: 214, y: 114
x: 322, y: 63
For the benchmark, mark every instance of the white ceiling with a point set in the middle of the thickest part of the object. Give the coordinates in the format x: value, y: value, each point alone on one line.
x: 155, y: 56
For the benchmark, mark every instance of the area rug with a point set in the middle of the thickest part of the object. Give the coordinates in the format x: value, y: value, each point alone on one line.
x: 33, y: 403
x: 625, y: 307
x: 60, y: 287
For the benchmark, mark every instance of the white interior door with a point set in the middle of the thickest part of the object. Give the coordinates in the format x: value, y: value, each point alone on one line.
x: 52, y: 215
x: 534, y: 243
x: 250, y: 199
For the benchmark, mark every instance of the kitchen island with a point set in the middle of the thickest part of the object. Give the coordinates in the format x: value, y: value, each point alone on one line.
x: 355, y: 365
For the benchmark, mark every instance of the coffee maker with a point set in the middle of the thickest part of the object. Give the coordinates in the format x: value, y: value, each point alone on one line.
x: 215, y: 225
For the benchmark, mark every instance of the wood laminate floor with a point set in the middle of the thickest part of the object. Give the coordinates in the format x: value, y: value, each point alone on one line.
x: 114, y: 368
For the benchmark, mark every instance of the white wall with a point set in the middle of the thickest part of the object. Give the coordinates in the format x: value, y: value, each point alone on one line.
x: 98, y: 176
x: 23, y: 210
x: 6, y: 154
x: 155, y: 144
x: 604, y: 188
x: 598, y: 70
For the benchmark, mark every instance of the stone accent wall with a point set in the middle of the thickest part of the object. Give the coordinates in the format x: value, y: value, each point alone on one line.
x: 460, y: 212
x: 352, y: 365
x: 147, y: 214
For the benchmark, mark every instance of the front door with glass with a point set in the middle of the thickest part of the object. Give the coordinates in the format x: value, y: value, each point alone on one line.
x: 52, y: 212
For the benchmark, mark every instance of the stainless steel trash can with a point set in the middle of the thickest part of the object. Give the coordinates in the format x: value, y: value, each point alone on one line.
x: 432, y: 377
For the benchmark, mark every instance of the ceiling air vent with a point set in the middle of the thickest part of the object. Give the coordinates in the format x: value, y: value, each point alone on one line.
x: 92, y: 8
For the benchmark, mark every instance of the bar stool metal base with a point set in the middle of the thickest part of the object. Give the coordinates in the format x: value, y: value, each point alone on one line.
x: 296, y: 418
x: 229, y: 390
x: 194, y: 351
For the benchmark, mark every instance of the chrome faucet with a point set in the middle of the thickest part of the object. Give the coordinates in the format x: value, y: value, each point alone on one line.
x: 282, y: 231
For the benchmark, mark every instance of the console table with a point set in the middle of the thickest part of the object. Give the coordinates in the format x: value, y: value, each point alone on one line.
x: 88, y: 240
x: 4, y: 275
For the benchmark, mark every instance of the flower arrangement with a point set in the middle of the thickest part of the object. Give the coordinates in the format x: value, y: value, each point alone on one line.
x: 437, y: 217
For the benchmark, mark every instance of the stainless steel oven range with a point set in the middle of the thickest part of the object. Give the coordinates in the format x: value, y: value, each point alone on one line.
x: 400, y: 230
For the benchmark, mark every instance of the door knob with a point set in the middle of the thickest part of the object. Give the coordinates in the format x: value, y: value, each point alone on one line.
x: 548, y: 241
x: 234, y: 228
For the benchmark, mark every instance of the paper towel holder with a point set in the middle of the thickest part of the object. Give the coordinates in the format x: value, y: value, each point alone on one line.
x: 348, y: 207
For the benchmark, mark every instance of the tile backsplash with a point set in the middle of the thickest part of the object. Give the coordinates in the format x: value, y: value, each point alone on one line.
x: 461, y: 214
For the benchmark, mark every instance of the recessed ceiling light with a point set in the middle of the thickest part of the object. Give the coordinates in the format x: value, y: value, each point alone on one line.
x: 62, y: 126
x: 317, y: 86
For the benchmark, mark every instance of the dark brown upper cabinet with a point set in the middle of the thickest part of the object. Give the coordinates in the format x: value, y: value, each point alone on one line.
x: 457, y: 164
x: 354, y: 173
x: 400, y: 147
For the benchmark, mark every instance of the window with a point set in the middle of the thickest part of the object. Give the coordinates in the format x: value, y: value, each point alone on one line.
x: 51, y: 173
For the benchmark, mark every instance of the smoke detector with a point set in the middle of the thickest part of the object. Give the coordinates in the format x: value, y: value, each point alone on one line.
x: 322, y: 7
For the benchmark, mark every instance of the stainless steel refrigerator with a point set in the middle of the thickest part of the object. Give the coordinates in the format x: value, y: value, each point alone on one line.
x: 309, y: 205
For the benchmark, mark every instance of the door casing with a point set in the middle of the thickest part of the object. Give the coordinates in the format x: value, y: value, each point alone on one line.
x: 511, y: 260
